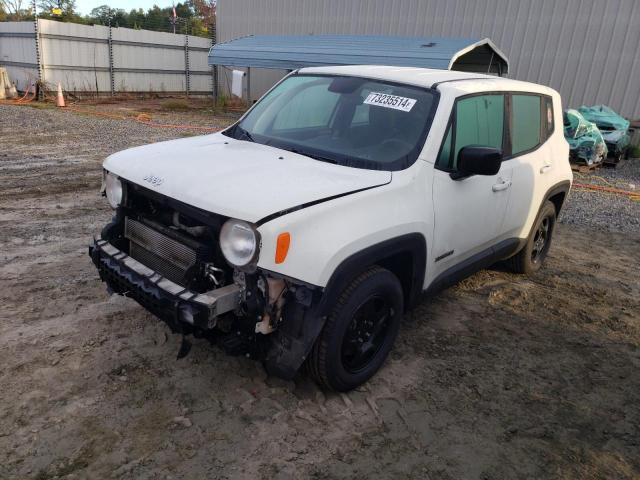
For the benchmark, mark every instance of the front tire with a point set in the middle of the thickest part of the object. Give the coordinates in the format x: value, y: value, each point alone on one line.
x: 360, y: 331
x: 531, y: 257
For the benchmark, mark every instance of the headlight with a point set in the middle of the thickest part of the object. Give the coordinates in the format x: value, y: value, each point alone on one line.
x: 238, y: 242
x: 113, y: 189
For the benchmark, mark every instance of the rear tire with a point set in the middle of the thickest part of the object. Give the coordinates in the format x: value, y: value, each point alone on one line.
x: 359, y: 333
x: 531, y: 257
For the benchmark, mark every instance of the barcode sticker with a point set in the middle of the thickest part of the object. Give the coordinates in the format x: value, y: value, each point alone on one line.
x: 390, y: 101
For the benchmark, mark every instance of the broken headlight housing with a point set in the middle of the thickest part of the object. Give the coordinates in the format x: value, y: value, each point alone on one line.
x: 113, y: 189
x: 239, y: 243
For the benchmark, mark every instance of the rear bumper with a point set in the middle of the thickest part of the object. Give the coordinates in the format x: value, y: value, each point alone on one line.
x: 169, y: 301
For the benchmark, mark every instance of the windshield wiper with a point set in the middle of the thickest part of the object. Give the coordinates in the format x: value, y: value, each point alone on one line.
x: 313, y: 155
x: 244, y: 135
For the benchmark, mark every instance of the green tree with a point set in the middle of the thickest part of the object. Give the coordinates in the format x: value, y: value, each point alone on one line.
x: 156, y: 19
x: 68, y: 7
x: 194, y: 17
x: 102, y: 14
x: 120, y: 18
x: 136, y: 18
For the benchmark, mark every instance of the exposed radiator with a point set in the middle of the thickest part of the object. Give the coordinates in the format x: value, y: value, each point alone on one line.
x: 159, y: 252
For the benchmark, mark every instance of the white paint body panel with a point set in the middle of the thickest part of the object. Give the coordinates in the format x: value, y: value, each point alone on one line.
x: 249, y: 181
x: 235, y: 178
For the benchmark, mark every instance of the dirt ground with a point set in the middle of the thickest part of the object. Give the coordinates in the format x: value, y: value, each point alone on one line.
x: 501, y: 376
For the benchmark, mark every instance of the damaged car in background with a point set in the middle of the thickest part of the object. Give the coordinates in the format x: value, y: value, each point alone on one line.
x: 596, y: 135
x: 586, y: 143
x: 302, y: 233
x: 613, y: 127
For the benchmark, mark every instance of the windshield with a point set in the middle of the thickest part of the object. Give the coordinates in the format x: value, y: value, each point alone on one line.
x: 350, y: 121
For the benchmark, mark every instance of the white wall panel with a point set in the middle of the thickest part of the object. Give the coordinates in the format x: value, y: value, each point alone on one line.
x: 149, y: 82
x: 18, y: 53
x: 77, y: 56
x: 78, y: 81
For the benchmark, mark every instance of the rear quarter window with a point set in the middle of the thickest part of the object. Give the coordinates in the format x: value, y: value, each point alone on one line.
x: 526, y: 123
x: 548, y: 122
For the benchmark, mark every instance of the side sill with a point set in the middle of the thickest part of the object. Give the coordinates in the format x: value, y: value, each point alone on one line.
x: 480, y: 260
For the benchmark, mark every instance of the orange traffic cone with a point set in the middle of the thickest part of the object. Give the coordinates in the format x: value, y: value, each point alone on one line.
x: 60, y: 99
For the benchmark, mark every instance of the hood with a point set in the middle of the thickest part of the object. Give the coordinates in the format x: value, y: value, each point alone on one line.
x: 235, y: 178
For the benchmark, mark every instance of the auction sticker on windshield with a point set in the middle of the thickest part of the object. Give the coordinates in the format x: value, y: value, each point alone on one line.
x: 390, y: 101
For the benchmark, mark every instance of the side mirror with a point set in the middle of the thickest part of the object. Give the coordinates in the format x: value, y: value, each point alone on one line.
x: 477, y: 160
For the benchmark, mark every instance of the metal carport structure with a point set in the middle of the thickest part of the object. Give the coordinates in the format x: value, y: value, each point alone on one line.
x: 289, y: 52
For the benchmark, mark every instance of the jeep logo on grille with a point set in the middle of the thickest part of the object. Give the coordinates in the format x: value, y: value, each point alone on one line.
x: 153, y: 180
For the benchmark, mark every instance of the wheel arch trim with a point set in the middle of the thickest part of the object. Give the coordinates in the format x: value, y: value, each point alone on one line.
x: 560, y: 187
x: 412, y: 244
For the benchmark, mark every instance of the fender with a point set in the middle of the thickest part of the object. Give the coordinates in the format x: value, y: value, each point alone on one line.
x: 405, y: 256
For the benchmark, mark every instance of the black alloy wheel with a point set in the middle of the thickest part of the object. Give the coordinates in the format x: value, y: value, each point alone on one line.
x: 540, y: 243
x: 359, y: 333
x: 366, y: 333
x: 532, y: 255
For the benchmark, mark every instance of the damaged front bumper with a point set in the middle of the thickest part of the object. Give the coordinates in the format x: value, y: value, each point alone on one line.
x: 176, y: 305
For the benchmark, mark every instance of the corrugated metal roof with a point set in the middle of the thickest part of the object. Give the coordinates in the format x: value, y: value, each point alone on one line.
x: 289, y: 52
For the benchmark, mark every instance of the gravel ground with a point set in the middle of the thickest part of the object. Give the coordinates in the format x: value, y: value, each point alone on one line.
x: 606, y: 211
x: 501, y: 376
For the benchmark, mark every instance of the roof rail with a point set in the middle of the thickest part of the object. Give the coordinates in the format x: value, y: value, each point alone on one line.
x: 435, y: 85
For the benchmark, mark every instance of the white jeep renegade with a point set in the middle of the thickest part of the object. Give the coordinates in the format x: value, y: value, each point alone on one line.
x: 302, y: 233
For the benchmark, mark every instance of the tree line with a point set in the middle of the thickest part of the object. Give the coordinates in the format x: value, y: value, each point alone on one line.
x: 193, y: 17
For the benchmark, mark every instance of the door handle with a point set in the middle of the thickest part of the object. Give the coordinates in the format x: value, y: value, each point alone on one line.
x: 501, y: 186
x: 545, y: 169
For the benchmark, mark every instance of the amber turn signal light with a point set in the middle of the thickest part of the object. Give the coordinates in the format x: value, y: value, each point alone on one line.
x: 282, y: 246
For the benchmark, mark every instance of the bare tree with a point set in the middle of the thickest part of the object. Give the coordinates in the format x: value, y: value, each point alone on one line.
x: 12, y: 7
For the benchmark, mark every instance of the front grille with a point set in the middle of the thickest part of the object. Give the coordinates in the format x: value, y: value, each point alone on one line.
x: 159, y: 252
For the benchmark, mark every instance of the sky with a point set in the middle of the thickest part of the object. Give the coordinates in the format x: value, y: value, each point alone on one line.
x: 84, y: 7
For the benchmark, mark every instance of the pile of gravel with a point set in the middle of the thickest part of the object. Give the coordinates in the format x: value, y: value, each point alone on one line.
x: 606, y: 211
x: 86, y: 132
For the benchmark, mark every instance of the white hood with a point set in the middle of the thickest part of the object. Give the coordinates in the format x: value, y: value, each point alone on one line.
x: 236, y: 178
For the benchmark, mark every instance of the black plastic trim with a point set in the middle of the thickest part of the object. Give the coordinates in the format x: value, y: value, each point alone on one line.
x: 209, y: 218
x: 444, y: 255
x: 412, y: 243
x: 165, y: 305
x: 480, y: 260
x: 560, y: 187
x: 289, y: 350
